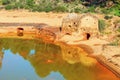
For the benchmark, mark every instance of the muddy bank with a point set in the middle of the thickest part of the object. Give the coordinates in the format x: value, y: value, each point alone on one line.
x: 111, y: 66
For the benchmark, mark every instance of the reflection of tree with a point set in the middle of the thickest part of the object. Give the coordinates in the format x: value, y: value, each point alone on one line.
x: 45, y: 52
x: 20, y: 46
x: 1, y: 58
x: 70, y: 72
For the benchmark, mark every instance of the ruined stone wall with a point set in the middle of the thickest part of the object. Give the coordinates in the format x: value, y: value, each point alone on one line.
x: 70, y: 23
x: 88, y: 21
x: 87, y: 24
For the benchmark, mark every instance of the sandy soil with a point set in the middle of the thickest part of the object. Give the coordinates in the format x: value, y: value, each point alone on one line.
x: 22, y: 16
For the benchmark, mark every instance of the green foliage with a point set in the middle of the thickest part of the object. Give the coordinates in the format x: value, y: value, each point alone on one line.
x: 101, y: 24
x: 77, y: 6
x: 118, y: 30
x: 8, y: 7
x: 77, y: 10
x: 60, y: 9
x: 114, y: 43
x: 0, y: 2
x: 5, y: 2
x: 91, y: 9
x: 108, y: 17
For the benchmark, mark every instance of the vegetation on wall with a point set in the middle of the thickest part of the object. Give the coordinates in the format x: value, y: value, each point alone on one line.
x: 101, y: 24
x: 78, y: 6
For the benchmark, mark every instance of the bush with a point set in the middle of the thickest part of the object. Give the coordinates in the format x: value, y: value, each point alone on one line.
x: 77, y: 10
x: 8, y: 7
x: 114, y: 43
x: 101, y: 25
x: 108, y: 17
x: 116, y: 9
x: 5, y: 2
x: 118, y: 29
x: 91, y: 9
x: 105, y: 11
x: 60, y: 9
x: 30, y: 3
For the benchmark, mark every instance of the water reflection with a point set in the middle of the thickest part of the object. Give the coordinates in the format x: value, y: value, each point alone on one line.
x: 32, y: 52
x: 14, y: 67
x: 35, y: 60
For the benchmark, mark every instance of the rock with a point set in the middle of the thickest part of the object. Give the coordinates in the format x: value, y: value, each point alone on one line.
x: 46, y: 34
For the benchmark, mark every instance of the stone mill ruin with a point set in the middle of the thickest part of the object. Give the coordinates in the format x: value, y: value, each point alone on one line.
x: 85, y: 25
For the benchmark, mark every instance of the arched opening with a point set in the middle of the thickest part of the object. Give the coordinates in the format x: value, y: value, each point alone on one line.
x: 20, y: 31
x: 88, y: 36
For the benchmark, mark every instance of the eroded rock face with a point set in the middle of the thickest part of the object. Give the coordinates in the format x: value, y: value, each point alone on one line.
x: 112, y: 54
x: 46, y: 34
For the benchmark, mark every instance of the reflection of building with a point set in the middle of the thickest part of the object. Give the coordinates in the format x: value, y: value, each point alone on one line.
x: 71, y: 54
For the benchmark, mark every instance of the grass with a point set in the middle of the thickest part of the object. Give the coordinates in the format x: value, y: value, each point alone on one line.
x: 76, y: 6
x: 101, y: 25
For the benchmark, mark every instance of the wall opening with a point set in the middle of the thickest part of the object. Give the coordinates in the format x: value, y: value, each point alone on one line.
x: 20, y: 31
x: 88, y: 36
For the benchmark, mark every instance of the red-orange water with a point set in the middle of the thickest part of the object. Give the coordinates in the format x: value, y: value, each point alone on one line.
x: 105, y: 74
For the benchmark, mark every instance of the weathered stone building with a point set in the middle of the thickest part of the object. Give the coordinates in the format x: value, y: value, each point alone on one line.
x: 85, y: 25
x: 88, y: 25
x: 70, y: 24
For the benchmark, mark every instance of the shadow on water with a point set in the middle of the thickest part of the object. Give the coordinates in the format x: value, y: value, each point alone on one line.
x: 35, y: 60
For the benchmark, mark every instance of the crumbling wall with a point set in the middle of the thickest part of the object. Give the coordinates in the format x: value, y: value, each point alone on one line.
x: 70, y: 24
x: 85, y: 25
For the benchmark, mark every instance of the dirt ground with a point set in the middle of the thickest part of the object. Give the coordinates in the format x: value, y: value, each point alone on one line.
x: 23, y: 16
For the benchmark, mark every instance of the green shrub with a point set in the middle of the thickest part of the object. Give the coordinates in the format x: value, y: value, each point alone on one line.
x: 101, y: 25
x: 5, y: 2
x: 108, y: 17
x: 60, y: 9
x: 48, y: 9
x: 105, y: 11
x: 0, y: 2
x: 114, y: 43
x: 77, y: 10
x: 91, y: 9
x: 8, y: 7
x: 30, y: 3
x: 37, y: 8
x: 118, y: 30
x: 18, y: 5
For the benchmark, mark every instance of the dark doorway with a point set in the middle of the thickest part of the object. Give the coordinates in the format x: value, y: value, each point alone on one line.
x: 20, y: 31
x: 87, y: 36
